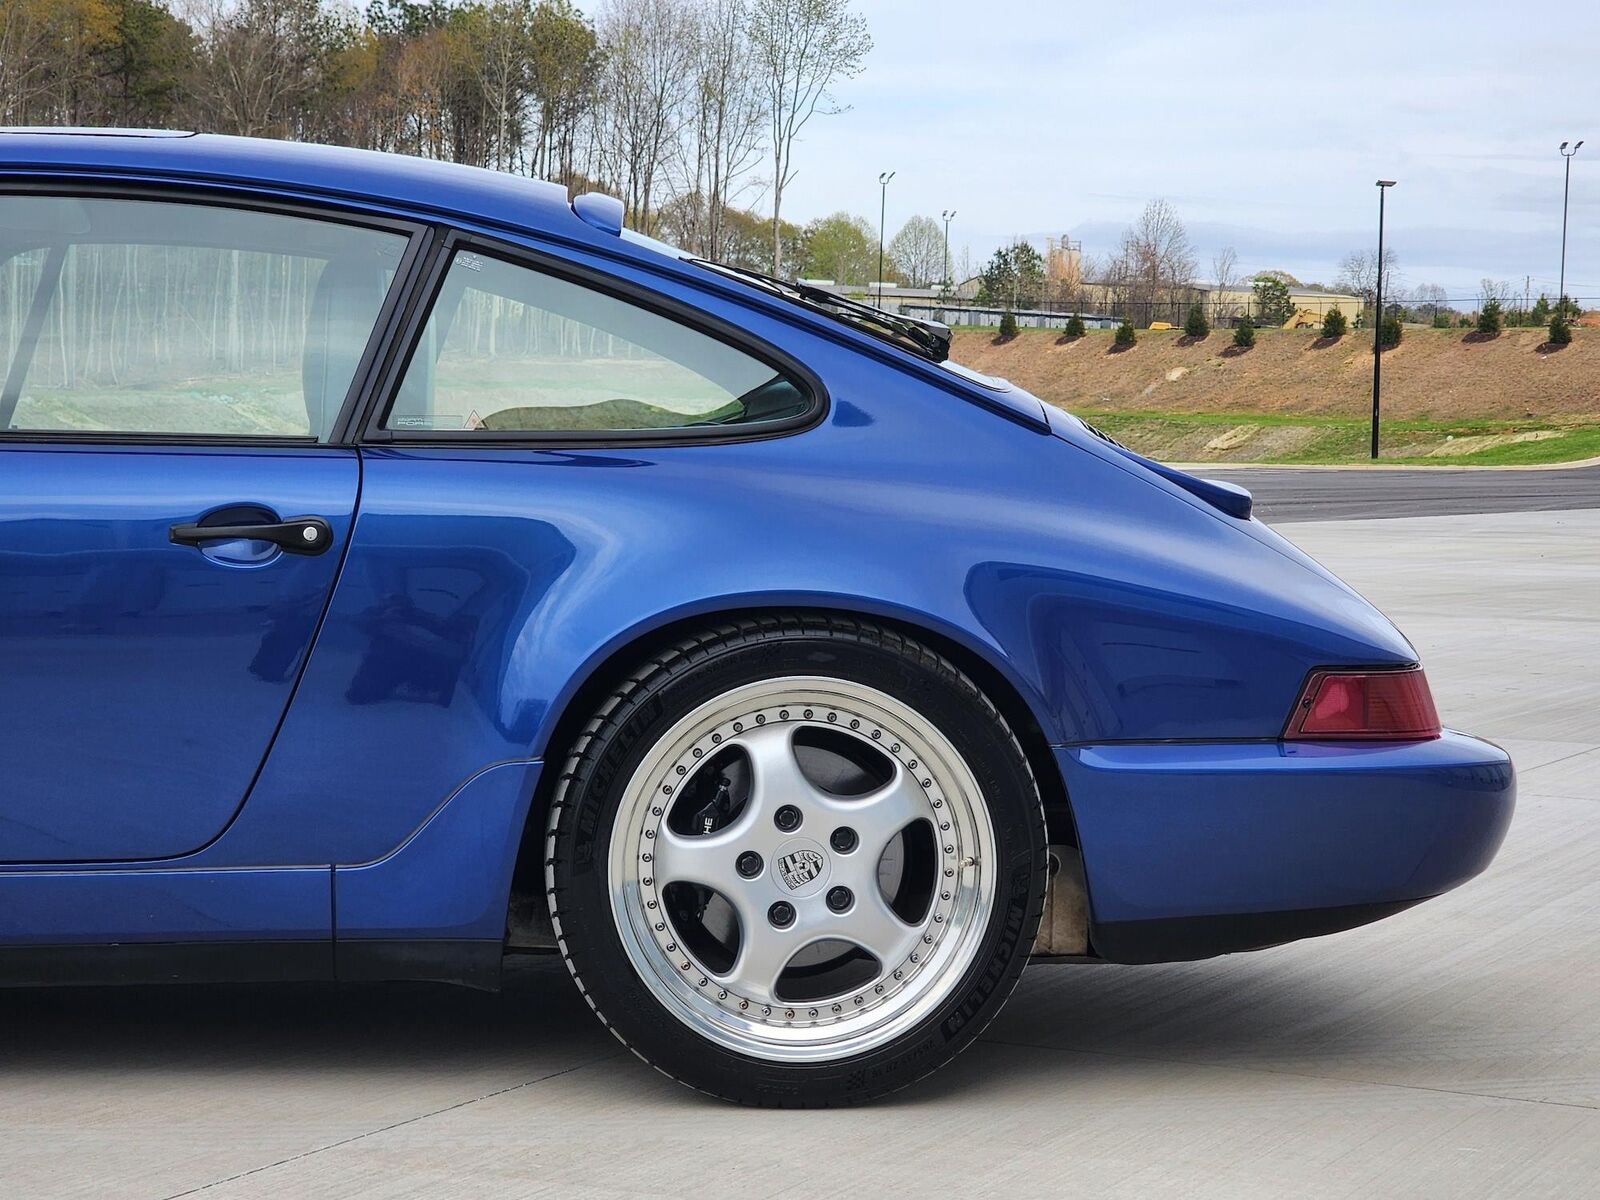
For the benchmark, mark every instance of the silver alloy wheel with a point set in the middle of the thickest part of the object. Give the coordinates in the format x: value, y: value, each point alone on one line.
x: 915, y: 963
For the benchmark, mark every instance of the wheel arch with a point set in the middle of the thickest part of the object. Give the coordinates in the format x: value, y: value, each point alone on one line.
x: 610, y: 665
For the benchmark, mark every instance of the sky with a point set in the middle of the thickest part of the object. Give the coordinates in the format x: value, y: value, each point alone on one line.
x: 1266, y: 126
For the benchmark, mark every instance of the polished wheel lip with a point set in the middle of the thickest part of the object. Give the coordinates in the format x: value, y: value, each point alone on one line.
x: 906, y: 991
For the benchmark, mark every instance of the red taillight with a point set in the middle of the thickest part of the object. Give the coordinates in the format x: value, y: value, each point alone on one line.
x: 1365, y: 705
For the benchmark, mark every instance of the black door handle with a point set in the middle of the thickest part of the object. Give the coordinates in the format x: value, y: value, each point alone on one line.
x: 297, y: 535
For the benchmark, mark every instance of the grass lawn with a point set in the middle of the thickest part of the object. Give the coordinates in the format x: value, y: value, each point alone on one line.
x: 1280, y: 438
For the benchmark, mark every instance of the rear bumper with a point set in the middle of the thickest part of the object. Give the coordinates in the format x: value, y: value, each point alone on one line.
x: 1192, y: 850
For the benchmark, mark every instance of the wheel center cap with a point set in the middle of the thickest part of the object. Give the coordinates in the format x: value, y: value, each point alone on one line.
x: 802, y: 868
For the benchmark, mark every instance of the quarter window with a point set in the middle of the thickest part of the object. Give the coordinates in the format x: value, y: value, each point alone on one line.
x: 139, y: 316
x: 515, y: 350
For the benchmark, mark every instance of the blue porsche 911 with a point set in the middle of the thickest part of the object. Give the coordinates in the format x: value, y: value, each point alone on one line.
x: 403, y: 567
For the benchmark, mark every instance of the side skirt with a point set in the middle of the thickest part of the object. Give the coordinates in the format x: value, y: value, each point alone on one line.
x: 165, y: 962
x: 472, y: 963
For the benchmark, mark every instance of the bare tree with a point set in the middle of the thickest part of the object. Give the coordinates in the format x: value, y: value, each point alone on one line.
x: 498, y: 44
x: 1225, y: 274
x: 25, y: 46
x: 803, y: 47
x: 728, y: 120
x: 261, y: 64
x: 563, y: 61
x: 1155, y: 261
x: 649, y: 63
x: 1429, y: 297
x: 1495, y: 289
x: 1358, y: 273
x: 918, y: 252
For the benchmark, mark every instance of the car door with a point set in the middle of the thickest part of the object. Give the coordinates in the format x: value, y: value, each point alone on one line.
x: 173, y: 502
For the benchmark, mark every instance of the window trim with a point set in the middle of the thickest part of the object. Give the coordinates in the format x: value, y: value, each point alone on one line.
x: 420, y: 238
x: 420, y: 310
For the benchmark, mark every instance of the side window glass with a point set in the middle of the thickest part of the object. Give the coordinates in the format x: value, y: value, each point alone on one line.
x: 137, y: 316
x: 511, y: 349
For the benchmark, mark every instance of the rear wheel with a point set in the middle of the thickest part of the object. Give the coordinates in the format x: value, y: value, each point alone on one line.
x: 796, y: 862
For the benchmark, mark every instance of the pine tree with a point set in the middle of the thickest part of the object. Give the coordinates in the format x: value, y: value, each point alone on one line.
x: 1334, y: 324
x: 1560, y: 330
x: 1196, y: 326
x: 1490, y: 319
x: 1074, y: 327
x: 1125, y: 335
x: 1008, y: 325
x: 1389, y: 333
x: 1244, y: 333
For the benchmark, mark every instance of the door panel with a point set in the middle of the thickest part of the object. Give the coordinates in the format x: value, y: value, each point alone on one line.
x: 142, y: 681
x: 170, y: 365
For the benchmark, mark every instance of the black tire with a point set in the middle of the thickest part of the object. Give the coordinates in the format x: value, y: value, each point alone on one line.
x: 637, y: 715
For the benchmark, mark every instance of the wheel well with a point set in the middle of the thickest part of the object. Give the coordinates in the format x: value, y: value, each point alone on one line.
x: 527, y: 888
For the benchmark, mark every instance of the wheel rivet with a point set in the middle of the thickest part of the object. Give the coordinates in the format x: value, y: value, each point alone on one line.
x: 749, y: 864
x: 787, y: 818
x: 840, y: 898
x: 844, y: 839
x: 781, y: 914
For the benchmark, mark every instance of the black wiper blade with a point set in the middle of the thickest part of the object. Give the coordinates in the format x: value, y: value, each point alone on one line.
x: 930, y: 339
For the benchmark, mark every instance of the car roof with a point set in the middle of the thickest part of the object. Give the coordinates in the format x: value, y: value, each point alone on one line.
x: 450, y: 190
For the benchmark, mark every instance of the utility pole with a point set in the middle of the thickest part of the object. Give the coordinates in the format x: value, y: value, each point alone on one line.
x: 883, y: 208
x: 1377, y: 322
x: 949, y: 215
x: 1566, y: 190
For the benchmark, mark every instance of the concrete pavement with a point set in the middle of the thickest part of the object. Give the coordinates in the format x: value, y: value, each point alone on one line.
x: 1453, y: 1050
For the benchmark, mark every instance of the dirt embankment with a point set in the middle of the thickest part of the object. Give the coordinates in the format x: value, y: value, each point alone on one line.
x: 1434, y: 373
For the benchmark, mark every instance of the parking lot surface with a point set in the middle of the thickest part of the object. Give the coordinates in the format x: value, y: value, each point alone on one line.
x: 1453, y: 1050
x: 1334, y: 494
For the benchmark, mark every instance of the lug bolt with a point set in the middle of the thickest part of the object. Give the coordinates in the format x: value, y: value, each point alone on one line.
x: 749, y: 864
x: 781, y: 914
x: 840, y: 898
x: 787, y: 818
x: 843, y: 839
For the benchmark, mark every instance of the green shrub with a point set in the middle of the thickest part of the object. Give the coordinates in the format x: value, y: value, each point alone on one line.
x: 1196, y: 326
x: 1389, y: 333
x: 1244, y: 333
x: 1539, y: 314
x: 1560, y: 330
x: 1334, y: 323
x: 1125, y: 335
x: 1074, y: 328
x: 1490, y: 318
x: 1008, y: 324
x: 1441, y: 320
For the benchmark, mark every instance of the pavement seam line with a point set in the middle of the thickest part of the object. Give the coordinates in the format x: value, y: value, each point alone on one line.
x: 356, y: 1137
x: 1189, y: 1062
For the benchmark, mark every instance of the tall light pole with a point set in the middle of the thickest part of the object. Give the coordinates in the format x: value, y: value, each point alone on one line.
x: 883, y: 208
x: 1377, y: 321
x: 949, y: 215
x: 1566, y: 190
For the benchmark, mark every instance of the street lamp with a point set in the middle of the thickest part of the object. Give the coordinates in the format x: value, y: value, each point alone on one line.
x: 949, y: 215
x: 1377, y: 321
x: 883, y: 207
x: 1565, y: 190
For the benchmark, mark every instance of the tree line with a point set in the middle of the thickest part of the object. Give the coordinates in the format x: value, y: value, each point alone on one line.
x: 691, y: 111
